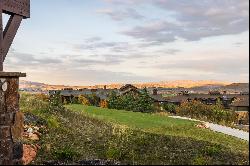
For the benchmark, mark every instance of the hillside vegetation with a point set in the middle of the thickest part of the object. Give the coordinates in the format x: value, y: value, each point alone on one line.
x: 83, y: 132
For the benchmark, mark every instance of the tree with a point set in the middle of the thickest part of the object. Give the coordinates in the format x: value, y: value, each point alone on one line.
x: 141, y: 102
x: 145, y: 102
x: 113, y: 100
x: 83, y: 100
x: 129, y: 102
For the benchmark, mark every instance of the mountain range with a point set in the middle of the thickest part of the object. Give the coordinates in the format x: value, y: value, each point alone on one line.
x: 202, y: 85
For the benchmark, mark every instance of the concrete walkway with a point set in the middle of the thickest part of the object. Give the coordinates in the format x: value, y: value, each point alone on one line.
x: 222, y: 129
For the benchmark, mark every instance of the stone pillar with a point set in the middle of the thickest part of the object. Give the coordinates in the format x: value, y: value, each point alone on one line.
x: 11, y: 120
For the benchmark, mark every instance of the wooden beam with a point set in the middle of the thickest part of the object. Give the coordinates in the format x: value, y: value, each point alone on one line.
x: 1, y: 41
x: 10, y: 32
x: 17, y: 7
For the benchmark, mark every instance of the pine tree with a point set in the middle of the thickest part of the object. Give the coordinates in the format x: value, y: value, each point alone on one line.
x: 113, y: 101
x: 145, y: 102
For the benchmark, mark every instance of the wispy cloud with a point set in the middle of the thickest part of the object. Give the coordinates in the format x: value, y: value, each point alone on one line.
x: 196, y: 19
x: 23, y: 59
x: 119, y: 15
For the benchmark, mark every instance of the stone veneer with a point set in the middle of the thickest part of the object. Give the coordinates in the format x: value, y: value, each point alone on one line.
x: 11, y: 119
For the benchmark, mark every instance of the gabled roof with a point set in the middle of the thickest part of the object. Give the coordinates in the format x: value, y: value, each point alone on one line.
x: 127, y: 86
x: 242, y: 101
x: 182, y: 98
x: 158, y: 98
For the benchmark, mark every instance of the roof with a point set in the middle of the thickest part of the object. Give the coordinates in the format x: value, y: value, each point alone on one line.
x: 102, y: 93
x: 182, y: 98
x: 242, y: 101
x: 127, y: 86
x: 158, y: 98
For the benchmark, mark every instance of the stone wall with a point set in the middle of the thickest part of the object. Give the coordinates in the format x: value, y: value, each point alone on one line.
x: 11, y: 119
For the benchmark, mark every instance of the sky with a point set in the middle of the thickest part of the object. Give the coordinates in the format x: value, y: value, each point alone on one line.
x: 89, y: 42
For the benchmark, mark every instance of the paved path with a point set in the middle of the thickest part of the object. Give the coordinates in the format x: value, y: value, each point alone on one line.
x: 222, y: 129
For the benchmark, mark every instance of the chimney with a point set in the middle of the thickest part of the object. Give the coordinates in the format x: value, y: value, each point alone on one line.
x: 155, y: 92
x: 105, y: 87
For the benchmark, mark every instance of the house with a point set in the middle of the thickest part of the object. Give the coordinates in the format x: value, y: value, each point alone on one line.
x: 128, y: 88
x: 241, y: 107
x: 67, y: 95
x: 214, y: 93
x: 157, y: 98
x: 241, y: 104
x: 204, y: 98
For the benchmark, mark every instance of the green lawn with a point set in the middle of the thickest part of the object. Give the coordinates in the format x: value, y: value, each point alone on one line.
x: 158, y: 124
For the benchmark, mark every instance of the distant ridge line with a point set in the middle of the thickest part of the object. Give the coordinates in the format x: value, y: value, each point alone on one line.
x: 163, y: 84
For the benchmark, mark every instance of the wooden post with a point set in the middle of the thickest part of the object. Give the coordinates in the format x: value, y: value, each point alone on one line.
x: 1, y: 40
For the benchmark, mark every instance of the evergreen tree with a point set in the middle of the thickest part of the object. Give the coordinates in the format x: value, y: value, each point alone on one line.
x: 145, y: 102
x: 113, y: 100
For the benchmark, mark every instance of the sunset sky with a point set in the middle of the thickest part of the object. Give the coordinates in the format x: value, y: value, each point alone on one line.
x: 87, y: 42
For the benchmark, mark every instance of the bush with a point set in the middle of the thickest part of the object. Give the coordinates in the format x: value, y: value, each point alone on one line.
x: 94, y: 100
x: 144, y: 102
x: 104, y: 104
x: 40, y: 112
x: 33, y: 102
x: 113, y: 100
x: 141, y: 102
x: 84, y: 100
x: 212, y: 113
x: 65, y: 154
x: 89, y: 100
x: 74, y: 100
x: 55, y: 102
x: 170, y: 108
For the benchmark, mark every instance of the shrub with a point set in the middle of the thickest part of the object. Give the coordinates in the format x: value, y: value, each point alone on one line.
x: 55, y: 102
x: 113, y: 102
x: 104, y: 104
x: 74, y: 100
x: 43, y: 97
x: 65, y: 154
x: 171, y: 108
x: 141, y: 102
x: 33, y: 102
x: 93, y: 99
x: 40, y: 112
x: 128, y: 102
x: 212, y: 113
x: 84, y: 100
x: 144, y: 103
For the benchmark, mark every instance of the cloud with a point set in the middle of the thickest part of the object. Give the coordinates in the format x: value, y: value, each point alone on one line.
x: 95, y: 43
x: 93, y: 39
x: 23, y: 59
x: 120, y: 15
x: 94, y: 62
x: 127, y: 2
x: 195, y: 20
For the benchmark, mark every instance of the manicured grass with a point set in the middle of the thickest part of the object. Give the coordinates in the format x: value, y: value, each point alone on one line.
x: 132, y: 119
x: 158, y: 124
